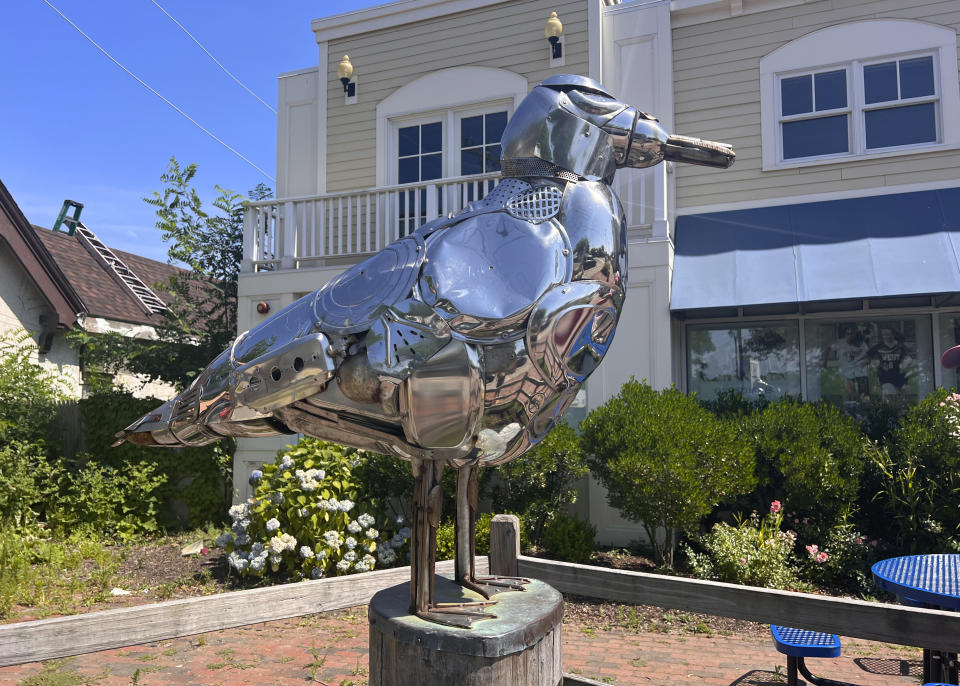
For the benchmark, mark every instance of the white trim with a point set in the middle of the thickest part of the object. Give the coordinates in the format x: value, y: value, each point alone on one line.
x: 689, y: 12
x: 819, y: 197
x: 854, y: 43
x: 441, y: 91
x: 595, y: 12
x: 323, y: 65
x: 390, y: 15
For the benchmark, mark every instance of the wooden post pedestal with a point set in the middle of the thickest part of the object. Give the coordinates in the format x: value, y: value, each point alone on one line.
x: 520, y: 647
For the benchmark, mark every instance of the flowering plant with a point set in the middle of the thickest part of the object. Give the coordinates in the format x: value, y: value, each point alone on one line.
x: 951, y: 412
x: 302, y: 519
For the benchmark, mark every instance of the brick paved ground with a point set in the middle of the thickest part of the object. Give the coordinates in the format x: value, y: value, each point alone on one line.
x: 332, y: 649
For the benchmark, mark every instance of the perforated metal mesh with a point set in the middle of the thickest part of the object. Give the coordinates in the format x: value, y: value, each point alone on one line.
x: 802, y: 642
x: 533, y: 166
x: 537, y: 205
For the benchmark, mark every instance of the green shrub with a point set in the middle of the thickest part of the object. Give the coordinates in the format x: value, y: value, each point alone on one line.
x: 809, y: 454
x: 664, y: 460
x: 298, y: 522
x: 841, y: 560
x: 446, y: 541
x: 29, y: 394
x: 917, y: 474
x: 539, y: 483
x: 97, y: 500
x: 29, y: 486
x: 569, y: 538
x: 756, y: 552
x: 199, y: 477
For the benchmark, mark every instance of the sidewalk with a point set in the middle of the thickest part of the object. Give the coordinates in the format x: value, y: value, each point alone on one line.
x: 332, y: 649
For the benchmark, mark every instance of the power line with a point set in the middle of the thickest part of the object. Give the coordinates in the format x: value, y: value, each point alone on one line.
x: 200, y: 45
x: 149, y: 88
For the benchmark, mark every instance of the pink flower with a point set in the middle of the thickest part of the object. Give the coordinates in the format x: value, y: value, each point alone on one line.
x: 812, y: 549
x: 796, y: 520
x: 943, y: 404
x: 204, y: 550
x: 874, y: 543
x: 822, y: 557
x: 775, y: 507
x: 860, y: 541
x: 806, y: 520
x: 743, y: 562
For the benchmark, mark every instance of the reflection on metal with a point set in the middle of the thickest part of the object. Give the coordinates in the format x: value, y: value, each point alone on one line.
x: 460, y: 345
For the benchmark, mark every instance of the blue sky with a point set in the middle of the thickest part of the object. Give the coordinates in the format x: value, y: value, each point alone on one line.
x: 76, y: 126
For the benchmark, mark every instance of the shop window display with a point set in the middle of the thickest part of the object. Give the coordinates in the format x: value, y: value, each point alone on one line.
x: 856, y: 363
x: 757, y: 360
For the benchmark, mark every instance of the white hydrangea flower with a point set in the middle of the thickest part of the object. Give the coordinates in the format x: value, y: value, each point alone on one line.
x: 350, y: 555
x: 287, y: 462
x: 343, y: 565
x: 238, y: 560
x: 361, y: 566
x: 316, y: 573
x: 276, y: 545
x: 257, y: 549
x: 354, y: 527
x: 257, y: 564
x: 369, y: 559
x: 365, y: 520
x: 238, y: 511
x: 240, y: 526
x: 273, y: 524
x: 346, y: 505
x: 304, y: 513
x: 351, y: 542
x: 372, y: 534
x: 276, y: 498
x: 322, y: 555
x: 306, y: 552
x: 332, y: 539
x: 275, y: 560
x: 386, y: 555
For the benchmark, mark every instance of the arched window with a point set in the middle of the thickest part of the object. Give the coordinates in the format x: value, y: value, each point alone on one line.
x: 860, y: 90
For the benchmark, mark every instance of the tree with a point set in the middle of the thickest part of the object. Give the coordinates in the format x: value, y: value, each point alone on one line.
x: 201, y: 319
x: 664, y: 460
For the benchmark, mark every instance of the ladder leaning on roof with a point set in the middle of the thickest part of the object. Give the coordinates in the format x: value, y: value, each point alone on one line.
x: 106, y: 257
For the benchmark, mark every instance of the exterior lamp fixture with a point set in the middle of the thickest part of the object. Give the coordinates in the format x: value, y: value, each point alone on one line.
x: 553, y: 31
x: 345, y: 71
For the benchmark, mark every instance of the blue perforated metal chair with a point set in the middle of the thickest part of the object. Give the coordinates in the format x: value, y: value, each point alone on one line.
x: 798, y: 644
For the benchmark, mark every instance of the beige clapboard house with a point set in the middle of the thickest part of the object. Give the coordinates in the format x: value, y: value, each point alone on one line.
x: 823, y: 264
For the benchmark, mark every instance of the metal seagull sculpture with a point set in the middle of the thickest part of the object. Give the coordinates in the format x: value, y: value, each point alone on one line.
x: 463, y: 343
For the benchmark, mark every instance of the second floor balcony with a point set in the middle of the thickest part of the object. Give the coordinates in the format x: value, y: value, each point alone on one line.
x: 299, y: 232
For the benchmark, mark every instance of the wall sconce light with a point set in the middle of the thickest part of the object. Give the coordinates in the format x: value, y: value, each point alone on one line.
x: 345, y: 71
x: 553, y: 31
x: 263, y: 307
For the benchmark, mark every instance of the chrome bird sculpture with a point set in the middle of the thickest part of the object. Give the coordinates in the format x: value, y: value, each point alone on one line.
x: 463, y: 343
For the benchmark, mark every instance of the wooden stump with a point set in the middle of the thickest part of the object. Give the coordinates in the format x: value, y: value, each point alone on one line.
x: 520, y: 647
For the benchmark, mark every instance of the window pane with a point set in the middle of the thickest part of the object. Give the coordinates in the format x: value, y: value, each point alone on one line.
x: 916, y: 77
x: 409, y: 141
x: 471, y: 131
x: 431, y: 167
x: 831, y: 90
x: 810, y: 137
x: 858, y: 364
x: 492, y: 159
x: 408, y: 170
x: 432, y: 137
x: 796, y: 95
x: 756, y: 360
x: 496, y: 123
x: 880, y: 82
x: 471, y: 161
x: 901, y: 125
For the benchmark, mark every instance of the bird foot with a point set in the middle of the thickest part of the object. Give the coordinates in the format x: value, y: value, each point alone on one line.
x: 491, y: 585
x: 461, y: 615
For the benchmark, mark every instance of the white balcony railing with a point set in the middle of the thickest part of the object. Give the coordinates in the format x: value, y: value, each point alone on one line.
x: 291, y: 233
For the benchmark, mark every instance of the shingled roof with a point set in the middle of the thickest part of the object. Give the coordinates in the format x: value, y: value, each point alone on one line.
x: 97, y: 287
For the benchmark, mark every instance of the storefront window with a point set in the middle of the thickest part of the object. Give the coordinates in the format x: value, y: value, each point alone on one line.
x: 857, y: 363
x: 759, y: 359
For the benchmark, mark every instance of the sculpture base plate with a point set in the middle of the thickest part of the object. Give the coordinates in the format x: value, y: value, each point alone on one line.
x: 520, y: 646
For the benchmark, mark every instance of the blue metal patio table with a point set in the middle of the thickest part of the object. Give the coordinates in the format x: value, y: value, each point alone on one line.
x: 925, y: 581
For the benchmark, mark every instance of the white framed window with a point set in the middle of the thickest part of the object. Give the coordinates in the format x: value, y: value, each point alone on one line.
x: 861, y: 90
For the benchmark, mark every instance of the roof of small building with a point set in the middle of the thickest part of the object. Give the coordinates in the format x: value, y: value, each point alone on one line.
x: 102, y: 294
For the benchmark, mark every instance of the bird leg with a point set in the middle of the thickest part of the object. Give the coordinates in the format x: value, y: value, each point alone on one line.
x: 465, y: 539
x: 427, y: 501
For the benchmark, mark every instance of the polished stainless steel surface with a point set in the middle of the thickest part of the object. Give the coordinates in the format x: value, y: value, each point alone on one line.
x: 464, y: 343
